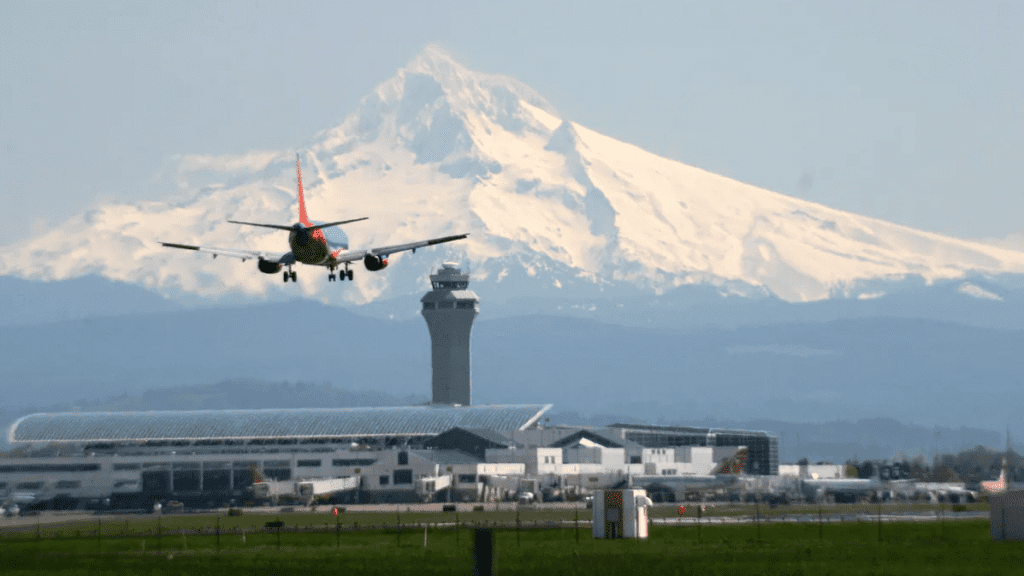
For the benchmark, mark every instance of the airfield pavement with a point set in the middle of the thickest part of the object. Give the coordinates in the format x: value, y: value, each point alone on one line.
x: 661, y: 514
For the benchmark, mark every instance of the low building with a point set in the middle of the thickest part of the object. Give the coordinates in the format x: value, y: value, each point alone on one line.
x: 133, y: 459
x: 396, y: 454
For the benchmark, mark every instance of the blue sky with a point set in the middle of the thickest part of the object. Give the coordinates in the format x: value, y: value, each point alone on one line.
x: 908, y: 111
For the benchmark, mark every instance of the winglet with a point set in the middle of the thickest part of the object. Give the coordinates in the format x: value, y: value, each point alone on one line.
x: 303, y: 218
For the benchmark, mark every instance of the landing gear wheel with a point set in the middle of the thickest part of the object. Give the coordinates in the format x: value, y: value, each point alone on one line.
x: 284, y: 276
x: 349, y: 273
x: 330, y: 277
x: 293, y: 275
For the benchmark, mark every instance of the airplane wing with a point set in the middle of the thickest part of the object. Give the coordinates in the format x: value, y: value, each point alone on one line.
x: 286, y: 258
x: 385, y: 251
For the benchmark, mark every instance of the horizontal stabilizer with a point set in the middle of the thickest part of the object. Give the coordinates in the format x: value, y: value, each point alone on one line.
x: 328, y: 225
x: 290, y: 228
x: 275, y: 226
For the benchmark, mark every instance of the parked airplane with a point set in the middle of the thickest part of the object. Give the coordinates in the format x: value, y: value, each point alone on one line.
x: 955, y: 492
x: 315, y: 243
x: 839, y: 489
x: 1001, y: 484
x: 726, y: 474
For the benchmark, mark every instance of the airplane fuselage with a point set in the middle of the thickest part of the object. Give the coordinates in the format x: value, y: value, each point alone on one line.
x: 307, y: 248
x: 682, y: 483
x: 317, y: 246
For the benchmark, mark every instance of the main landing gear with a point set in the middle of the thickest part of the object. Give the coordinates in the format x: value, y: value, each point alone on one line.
x: 289, y: 274
x: 342, y: 274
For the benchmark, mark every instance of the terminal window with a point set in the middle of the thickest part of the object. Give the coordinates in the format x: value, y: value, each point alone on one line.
x: 384, y: 480
x: 69, y: 484
x: 29, y: 485
x: 51, y: 468
x: 353, y: 462
x: 278, y: 473
x: 308, y: 463
x: 403, y: 476
x: 403, y: 458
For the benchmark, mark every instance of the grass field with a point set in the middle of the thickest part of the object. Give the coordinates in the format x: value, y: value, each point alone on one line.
x: 191, y: 545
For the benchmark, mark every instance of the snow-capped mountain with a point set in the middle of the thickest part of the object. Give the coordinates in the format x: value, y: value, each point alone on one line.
x: 550, y: 205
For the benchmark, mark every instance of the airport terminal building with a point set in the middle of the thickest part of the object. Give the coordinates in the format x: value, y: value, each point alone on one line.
x: 448, y: 449
x: 394, y: 454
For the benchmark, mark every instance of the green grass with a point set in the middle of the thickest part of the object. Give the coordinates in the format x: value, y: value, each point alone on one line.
x: 131, y: 547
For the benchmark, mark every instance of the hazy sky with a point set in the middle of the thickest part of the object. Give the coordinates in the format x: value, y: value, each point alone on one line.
x: 908, y: 111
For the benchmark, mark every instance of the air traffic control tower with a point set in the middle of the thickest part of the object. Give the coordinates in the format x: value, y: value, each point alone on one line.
x: 449, y: 310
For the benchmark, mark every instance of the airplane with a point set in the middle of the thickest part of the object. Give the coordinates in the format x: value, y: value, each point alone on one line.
x: 724, y: 475
x: 955, y: 492
x: 999, y: 484
x: 839, y: 489
x: 1003, y: 483
x: 316, y: 244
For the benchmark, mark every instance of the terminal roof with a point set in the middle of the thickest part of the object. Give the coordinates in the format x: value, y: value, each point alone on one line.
x: 299, y: 423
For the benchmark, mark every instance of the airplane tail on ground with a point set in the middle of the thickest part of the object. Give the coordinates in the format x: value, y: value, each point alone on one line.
x: 1000, y: 484
x: 734, y: 464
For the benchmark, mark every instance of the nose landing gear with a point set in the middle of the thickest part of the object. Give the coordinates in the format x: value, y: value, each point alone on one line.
x: 289, y: 274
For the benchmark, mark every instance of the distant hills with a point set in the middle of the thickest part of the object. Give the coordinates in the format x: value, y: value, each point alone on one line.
x: 913, y: 371
x: 32, y: 302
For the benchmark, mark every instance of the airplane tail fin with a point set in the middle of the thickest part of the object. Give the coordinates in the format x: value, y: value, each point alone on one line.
x: 303, y: 218
x: 734, y: 464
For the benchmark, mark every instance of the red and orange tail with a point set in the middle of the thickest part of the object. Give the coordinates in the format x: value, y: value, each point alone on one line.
x: 735, y: 464
x: 256, y: 476
x: 303, y: 218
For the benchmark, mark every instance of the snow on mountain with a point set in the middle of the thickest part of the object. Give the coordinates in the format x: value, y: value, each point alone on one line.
x: 550, y: 205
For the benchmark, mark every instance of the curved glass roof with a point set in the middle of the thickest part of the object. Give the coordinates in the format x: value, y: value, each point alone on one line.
x: 267, y: 424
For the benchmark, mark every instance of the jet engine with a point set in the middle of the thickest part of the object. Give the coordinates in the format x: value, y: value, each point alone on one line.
x: 374, y: 263
x: 268, y: 267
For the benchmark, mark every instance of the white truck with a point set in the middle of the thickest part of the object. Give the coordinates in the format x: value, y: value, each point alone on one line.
x: 310, y: 489
x: 305, y: 490
x: 428, y: 486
